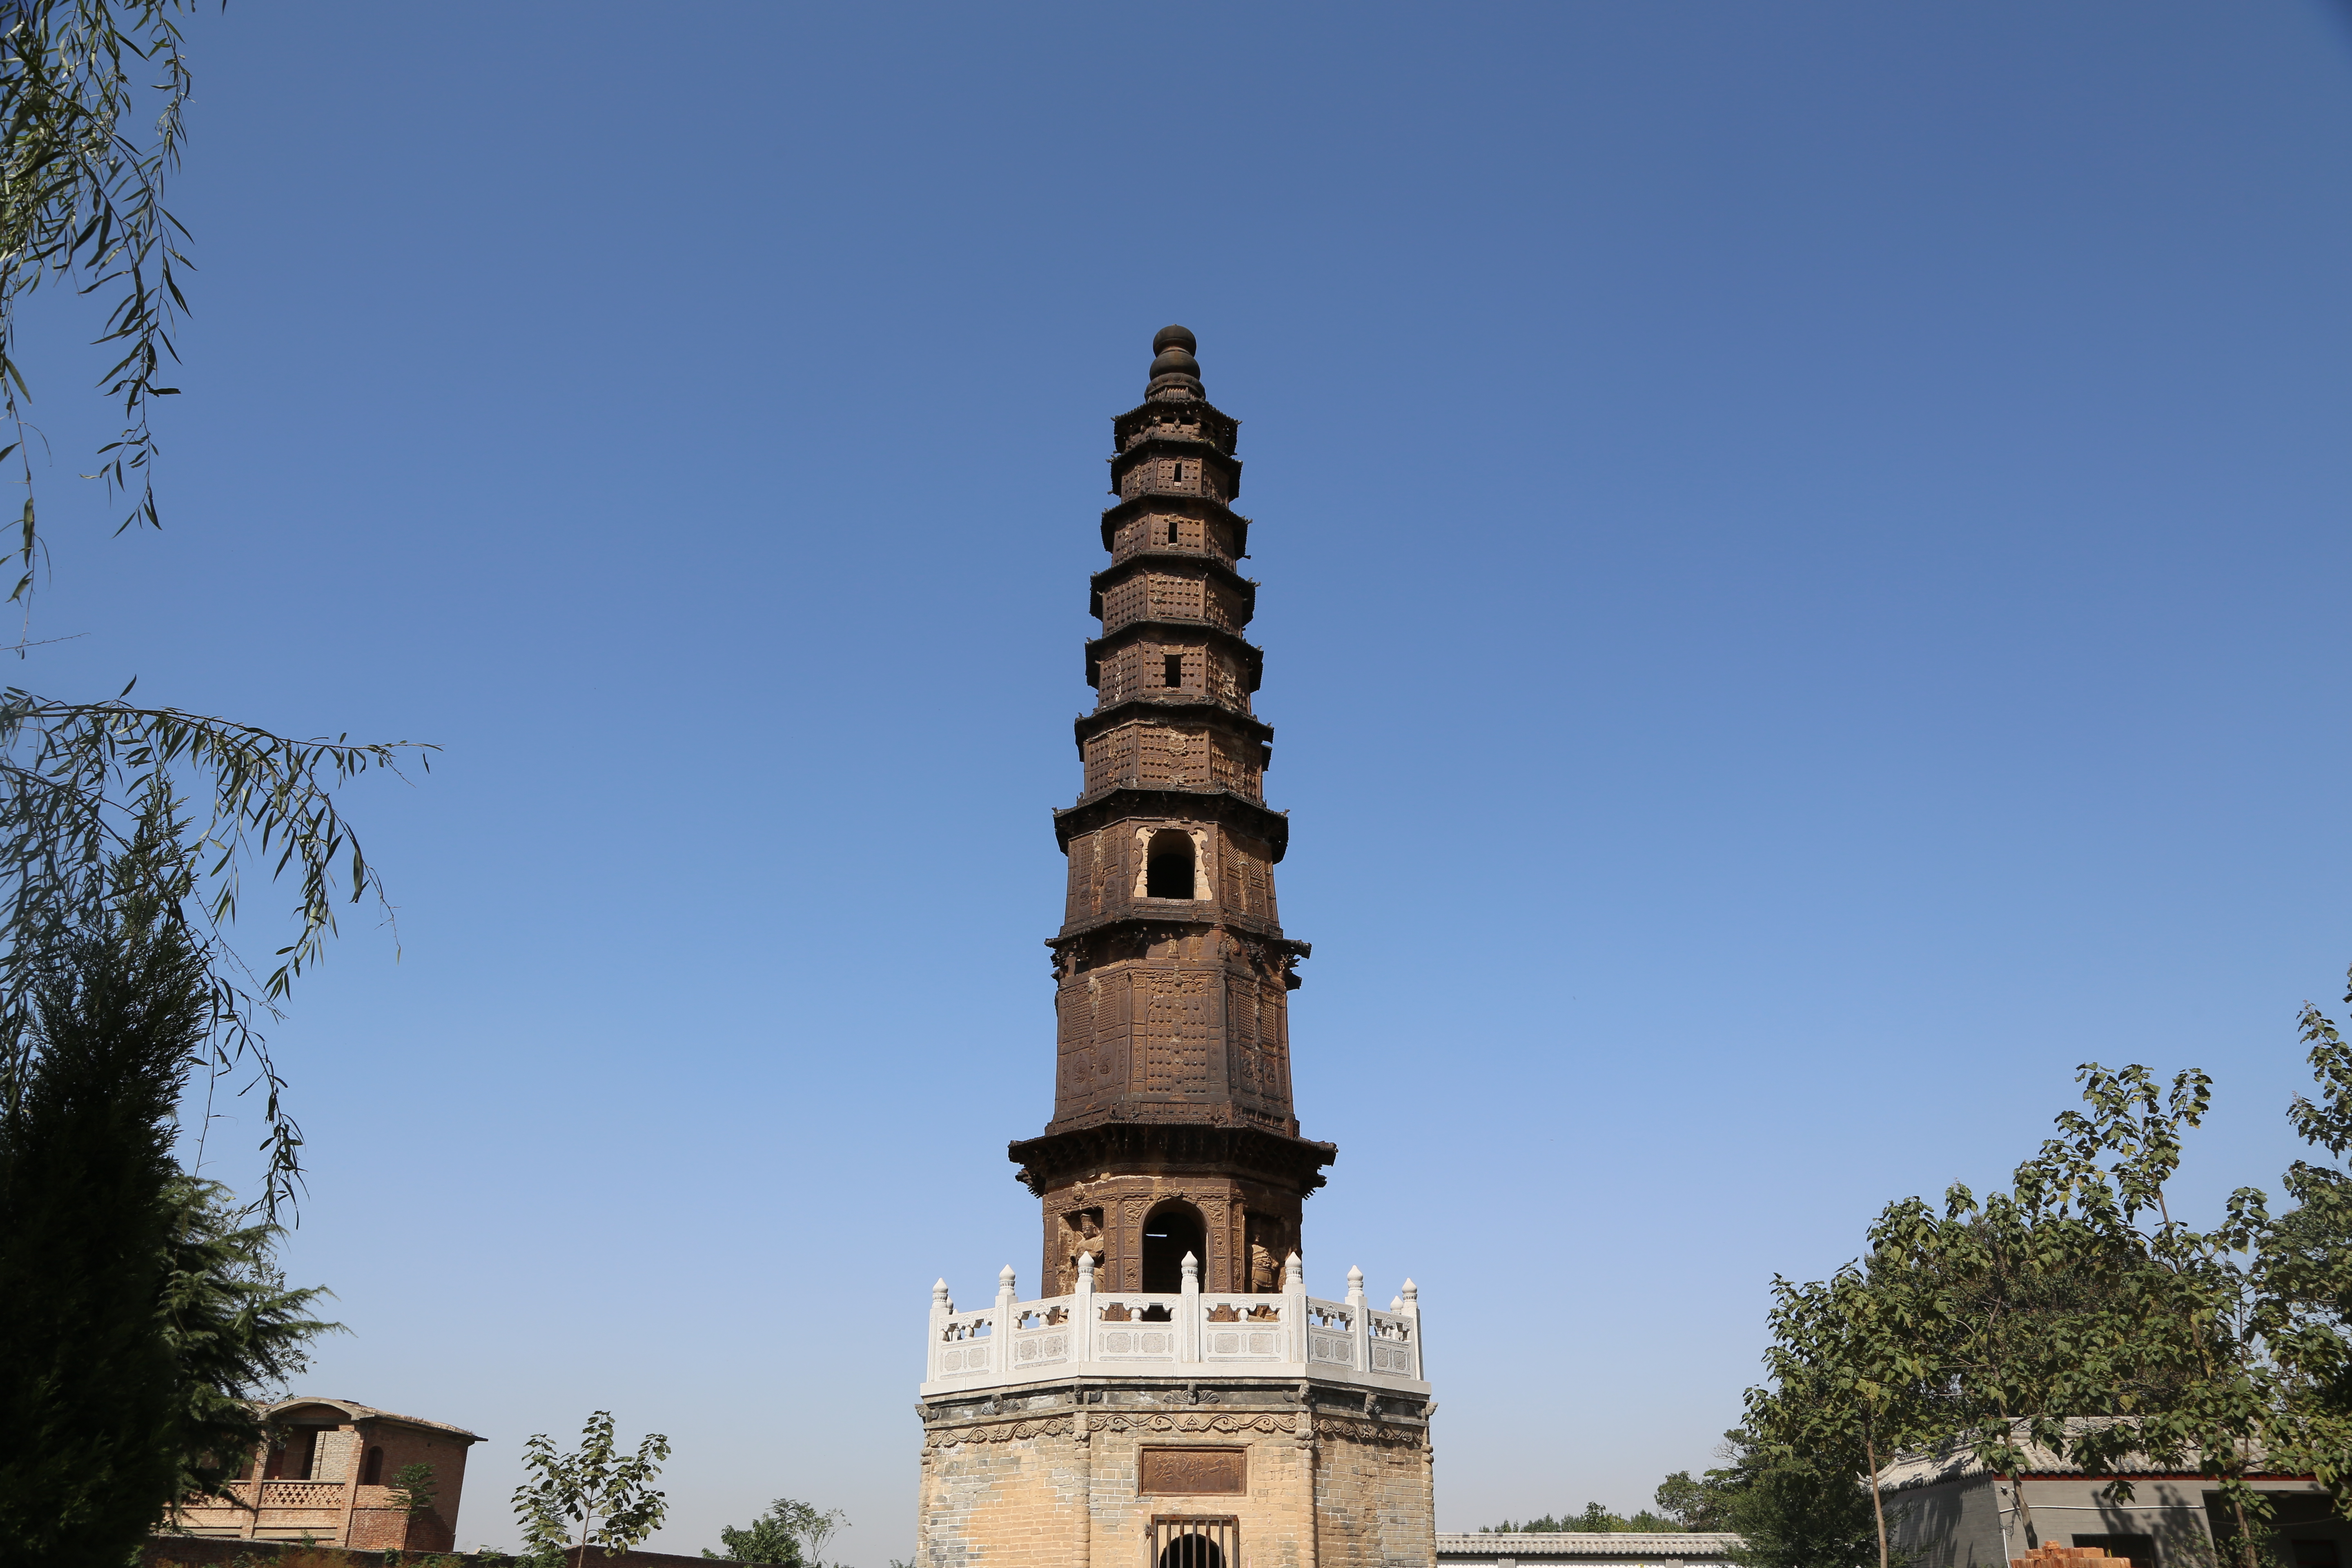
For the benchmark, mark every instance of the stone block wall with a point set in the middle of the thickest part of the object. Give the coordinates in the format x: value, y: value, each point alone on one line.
x: 1063, y: 1479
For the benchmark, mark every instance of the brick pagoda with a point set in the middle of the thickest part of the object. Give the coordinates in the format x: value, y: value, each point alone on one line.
x: 1175, y: 1398
x: 1172, y: 1128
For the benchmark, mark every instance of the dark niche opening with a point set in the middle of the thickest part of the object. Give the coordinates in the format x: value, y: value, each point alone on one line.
x: 1170, y: 1232
x: 1171, y: 670
x: 1168, y: 869
x: 1192, y: 1551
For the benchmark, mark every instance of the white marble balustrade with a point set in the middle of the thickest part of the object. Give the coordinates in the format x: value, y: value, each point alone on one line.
x: 1191, y: 1334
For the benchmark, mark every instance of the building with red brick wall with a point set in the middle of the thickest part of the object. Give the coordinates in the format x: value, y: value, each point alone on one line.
x: 326, y: 1475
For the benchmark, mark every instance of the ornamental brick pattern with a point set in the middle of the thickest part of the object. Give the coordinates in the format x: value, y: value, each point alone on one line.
x: 1172, y: 1127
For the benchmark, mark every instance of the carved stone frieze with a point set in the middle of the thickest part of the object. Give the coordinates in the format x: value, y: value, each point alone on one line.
x: 1002, y: 1431
x: 1382, y: 1432
x: 1083, y: 1424
x: 1226, y: 1423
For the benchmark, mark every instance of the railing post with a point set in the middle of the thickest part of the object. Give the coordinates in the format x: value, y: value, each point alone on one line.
x: 1082, y: 1307
x: 1360, y: 1325
x: 1000, y: 1364
x: 1188, y: 1306
x: 1294, y: 1307
x: 942, y: 1311
x: 1412, y: 1312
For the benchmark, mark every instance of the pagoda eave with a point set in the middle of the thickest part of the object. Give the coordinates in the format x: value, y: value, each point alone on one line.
x: 1151, y: 410
x: 1121, y: 802
x: 1173, y: 917
x: 1086, y: 726
x: 1115, y: 1145
x: 1163, y: 556
x: 1175, y: 501
x: 1252, y: 655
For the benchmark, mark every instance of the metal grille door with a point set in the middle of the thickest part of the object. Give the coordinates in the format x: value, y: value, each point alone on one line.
x: 1195, y: 1541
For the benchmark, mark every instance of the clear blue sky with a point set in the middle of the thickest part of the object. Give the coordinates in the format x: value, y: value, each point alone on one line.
x: 1805, y: 573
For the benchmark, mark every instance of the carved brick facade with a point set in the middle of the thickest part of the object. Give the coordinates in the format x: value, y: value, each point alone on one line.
x: 1173, y: 1125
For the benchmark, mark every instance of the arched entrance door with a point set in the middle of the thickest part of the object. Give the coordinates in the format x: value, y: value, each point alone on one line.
x: 1195, y: 1541
x: 1191, y: 1550
x: 1171, y: 1231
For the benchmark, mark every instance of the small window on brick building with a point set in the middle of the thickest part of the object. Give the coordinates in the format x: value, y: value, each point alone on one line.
x: 1171, y: 670
x: 1168, y: 870
x: 1180, y: 473
x: 1171, y: 530
x: 372, y: 1470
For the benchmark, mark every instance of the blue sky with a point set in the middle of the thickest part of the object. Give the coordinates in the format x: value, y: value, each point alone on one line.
x: 1803, y: 555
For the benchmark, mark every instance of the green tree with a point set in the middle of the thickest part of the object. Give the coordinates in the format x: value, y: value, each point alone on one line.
x: 1847, y: 1378
x: 414, y: 1489
x: 112, y: 1264
x: 595, y: 1492
x: 1792, y: 1512
x: 2178, y: 1345
x: 2304, y: 1272
x: 2074, y: 1314
x: 235, y: 1332
x: 91, y: 100
x: 85, y: 208
x: 790, y: 1532
x: 1694, y: 1504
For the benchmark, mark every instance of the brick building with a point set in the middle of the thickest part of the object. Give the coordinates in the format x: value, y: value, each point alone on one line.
x: 326, y: 1476
x: 1174, y: 1398
x: 1946, y: 1511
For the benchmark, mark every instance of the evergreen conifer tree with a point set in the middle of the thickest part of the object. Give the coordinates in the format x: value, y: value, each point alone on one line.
x: 137, y: 1311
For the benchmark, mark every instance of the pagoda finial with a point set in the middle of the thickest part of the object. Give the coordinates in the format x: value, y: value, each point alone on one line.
x: 1174, y: 372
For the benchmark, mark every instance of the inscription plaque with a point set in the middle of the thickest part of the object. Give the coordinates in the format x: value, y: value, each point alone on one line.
x: 1193, y: 1472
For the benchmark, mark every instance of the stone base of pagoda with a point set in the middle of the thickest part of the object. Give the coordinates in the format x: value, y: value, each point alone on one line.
x: 1208, y: 1471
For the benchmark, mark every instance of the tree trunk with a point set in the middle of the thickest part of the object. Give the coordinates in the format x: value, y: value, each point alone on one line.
x: 1878, y: 1512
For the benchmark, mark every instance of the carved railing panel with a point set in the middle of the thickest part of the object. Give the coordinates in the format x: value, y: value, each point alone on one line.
x: 1144, y: 1330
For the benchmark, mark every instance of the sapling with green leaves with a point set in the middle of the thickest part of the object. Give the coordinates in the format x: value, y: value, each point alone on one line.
x: 790, y: 1532
x: 413, y: 1489
x: 594, y: 1495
